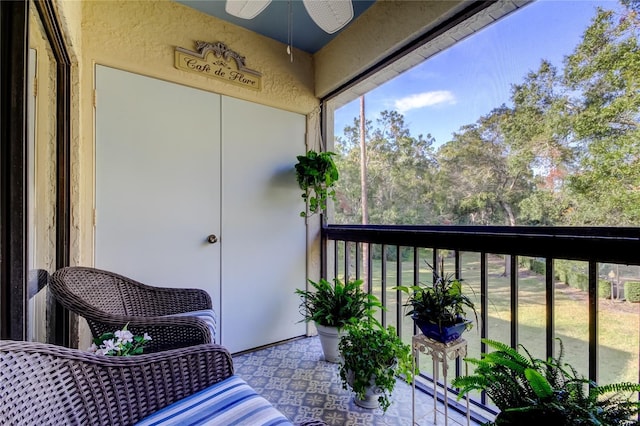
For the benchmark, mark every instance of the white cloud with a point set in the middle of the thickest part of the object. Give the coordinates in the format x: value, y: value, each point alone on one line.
x: 426, y: 99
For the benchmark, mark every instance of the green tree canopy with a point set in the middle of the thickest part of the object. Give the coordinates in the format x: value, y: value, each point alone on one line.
x: 400, y: 172
x: 565, y: 149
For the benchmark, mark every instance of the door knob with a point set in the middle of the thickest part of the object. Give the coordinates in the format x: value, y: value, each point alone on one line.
x: 212, y: 239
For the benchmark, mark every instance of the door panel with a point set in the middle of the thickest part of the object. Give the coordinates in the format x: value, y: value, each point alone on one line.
x: 264, y: 245
x: 157, y: 181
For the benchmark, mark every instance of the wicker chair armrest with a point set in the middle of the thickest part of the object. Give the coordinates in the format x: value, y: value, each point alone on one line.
x: 169, y: 301
x: 49, y: 385
x: 166, y: 332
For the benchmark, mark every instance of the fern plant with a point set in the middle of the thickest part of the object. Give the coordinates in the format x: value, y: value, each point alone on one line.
x: 316, y: 174
x: 336, y: 304
x: 532, y: 391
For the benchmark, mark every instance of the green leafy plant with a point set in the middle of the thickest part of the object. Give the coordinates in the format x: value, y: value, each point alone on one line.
x: 373, y: 354
x: 316, y: 173
x: 531, y: 391
x: 334, y: 305
x: 119, y: 343
x: 442, y: 302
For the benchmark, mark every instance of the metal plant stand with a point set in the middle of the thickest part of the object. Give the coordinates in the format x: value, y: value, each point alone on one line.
x: 440, y: 353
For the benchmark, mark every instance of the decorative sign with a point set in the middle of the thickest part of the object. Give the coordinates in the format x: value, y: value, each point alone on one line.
x: 216, y: 60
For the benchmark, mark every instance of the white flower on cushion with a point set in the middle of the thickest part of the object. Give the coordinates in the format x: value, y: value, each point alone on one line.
x: 124, y: 336
x: 110, y: 345
x: 119, y: 343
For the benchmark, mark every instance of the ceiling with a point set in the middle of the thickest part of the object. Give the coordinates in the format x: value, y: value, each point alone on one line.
x: 273, y: 21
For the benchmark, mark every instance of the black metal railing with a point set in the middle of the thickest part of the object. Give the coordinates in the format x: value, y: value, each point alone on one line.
x: 386, y: 256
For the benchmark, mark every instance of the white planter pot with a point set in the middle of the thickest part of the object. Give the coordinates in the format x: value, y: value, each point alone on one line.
x: 371, y: 395
x: 329, y: 338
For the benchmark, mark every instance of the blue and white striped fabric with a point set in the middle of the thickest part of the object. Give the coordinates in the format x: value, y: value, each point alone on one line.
x: 231, y: 402
x: 208, y: 315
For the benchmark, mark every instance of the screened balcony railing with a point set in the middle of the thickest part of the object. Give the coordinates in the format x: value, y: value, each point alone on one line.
x: 530, y: 285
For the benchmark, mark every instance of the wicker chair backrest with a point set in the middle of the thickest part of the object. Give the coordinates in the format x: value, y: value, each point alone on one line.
x: 98, y: 289
x: 88, y: 288
x: 43, y: 384
x: 36, y: 389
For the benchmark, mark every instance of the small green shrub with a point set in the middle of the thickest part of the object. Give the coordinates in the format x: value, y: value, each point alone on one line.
x: 538, y: 266
x: 560, y: 269
x: 572, y: 279
x: 582, y: 281
x: 534, y: 265
x: 604, y: 289
x: 561, y: 274
x: 632, y: 291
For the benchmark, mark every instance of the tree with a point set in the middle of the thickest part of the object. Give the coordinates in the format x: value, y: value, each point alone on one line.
x: 603, y: 72
x: 483, y: 177
x: 566, y: 151
x: 539, y: 137
x: 348, y: 191
x: 399, y: 168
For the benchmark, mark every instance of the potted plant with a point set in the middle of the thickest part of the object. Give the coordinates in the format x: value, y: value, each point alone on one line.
x: 332, y: 306
x: 316, y: 174
x: 438, y: 309
x: 530, y: 391
x: 372, y: 358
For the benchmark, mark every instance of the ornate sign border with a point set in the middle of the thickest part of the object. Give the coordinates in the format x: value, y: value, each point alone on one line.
x: 217, y: 61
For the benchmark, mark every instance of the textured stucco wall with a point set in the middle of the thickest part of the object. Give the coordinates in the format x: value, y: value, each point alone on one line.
x: 70, y: 19
x: 70, y: 16
x: 43, y: 225
x: 379, y: 31
x: 141, y: 36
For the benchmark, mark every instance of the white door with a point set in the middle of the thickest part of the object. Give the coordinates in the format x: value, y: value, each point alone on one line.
x: 157, y: 181
x: 159, y: 169
x: 264, y: 244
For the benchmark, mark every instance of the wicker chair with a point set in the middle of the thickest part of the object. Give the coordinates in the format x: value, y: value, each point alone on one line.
x: 108, y: 301
x: 43, y: 384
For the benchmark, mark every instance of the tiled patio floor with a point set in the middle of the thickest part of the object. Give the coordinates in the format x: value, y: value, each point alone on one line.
x: 294, y: 377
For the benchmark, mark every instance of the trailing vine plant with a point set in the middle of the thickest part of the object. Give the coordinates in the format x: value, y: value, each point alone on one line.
x: 372, y: 357
x: 316, y: 174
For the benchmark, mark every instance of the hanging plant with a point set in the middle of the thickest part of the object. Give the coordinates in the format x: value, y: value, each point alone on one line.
x: 316, y: 174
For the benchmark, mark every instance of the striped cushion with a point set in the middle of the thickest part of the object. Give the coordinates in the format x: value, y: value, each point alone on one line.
x: 208, y: 315
x: 231, y: 402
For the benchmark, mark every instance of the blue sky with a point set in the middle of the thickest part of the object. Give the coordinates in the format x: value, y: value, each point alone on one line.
x: 457, y: 86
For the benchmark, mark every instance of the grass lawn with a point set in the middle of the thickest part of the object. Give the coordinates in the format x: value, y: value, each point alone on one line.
x: 618, y: 322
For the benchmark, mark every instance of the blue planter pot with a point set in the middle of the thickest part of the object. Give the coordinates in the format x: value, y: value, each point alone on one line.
x: 446, y: 335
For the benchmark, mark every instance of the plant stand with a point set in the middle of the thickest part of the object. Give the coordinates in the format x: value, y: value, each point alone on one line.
x: 440, y: 354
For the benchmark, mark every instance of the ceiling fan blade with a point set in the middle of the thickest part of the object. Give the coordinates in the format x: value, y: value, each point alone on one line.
x: 330, y: 15
x: 245, y: 9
